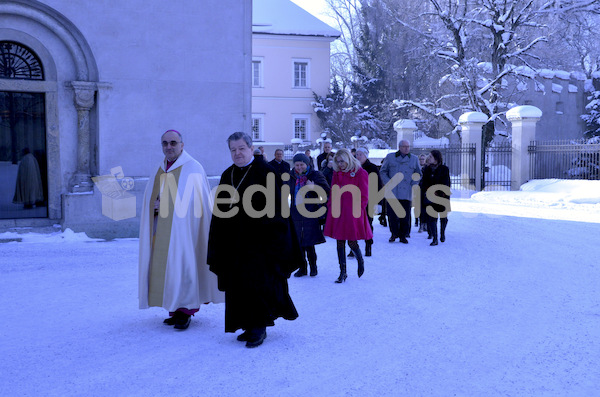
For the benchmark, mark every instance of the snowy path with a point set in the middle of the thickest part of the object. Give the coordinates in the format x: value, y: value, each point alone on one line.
x: 507, y: 306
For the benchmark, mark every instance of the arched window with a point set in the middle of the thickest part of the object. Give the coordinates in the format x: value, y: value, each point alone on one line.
x: 19, y: 62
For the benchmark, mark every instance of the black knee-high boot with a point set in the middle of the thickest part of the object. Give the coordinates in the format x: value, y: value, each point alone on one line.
x: 359, y: 258
x: 368, y: 245
x: 302, y: 271
x: 432, y: 228
x: 443, y: 224
x: 312, y: 260
x: 341, y: 251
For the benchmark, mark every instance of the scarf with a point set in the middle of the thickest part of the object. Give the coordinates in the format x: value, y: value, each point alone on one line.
x: 301, y: 180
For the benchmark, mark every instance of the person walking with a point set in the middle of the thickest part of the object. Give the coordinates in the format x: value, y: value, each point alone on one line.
x: 327, y: 147
x: 421, y: 220
x: 362, y: 154
x: 408, y: 165
x: 303, y: 180
x: 252, y: 248
x: 436, y: 177
x: 327, y: 167
x: 347, y: 209
x: 281, y: 166
x: 173, y: 273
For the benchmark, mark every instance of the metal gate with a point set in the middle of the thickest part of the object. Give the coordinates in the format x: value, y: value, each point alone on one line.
x: 496, y: 167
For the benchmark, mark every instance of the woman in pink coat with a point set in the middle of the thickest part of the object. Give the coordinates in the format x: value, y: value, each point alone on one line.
x: 347, y: 209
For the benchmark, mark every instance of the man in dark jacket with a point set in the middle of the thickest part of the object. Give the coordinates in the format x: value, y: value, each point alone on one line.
x: 281, y: 166
x: 326, y: 150
x: 252, y: 248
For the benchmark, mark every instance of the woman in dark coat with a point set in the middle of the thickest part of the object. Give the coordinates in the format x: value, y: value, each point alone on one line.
x: 421, y: 220
x: 308, y: 228
x: 327, y: 167
x: 436, y: 182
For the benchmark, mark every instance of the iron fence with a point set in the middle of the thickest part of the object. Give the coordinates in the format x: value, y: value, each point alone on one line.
x: 496, y: 167
x: 564, y: 159
x: 460, y: 159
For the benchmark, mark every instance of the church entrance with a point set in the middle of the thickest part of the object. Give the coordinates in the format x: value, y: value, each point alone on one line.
x: 23, y: 160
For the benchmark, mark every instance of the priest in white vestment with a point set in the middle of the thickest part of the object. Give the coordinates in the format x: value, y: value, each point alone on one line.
x: 174, y: 227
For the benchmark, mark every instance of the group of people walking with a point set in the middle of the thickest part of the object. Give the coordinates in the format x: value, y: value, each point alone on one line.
x: 242, y: 248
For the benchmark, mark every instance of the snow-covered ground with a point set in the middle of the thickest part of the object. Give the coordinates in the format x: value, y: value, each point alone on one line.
x: 508, y: 305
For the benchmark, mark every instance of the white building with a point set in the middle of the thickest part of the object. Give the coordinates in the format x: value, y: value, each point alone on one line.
x: 90, y: 86
x: 290, y: 61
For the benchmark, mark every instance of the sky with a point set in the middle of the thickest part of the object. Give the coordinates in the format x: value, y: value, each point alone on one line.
x: 316, y: 7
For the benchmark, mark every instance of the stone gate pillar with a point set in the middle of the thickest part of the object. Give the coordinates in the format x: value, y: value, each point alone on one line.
x: 523, y: 120
x: 472, y: 130
x: 405, y: 129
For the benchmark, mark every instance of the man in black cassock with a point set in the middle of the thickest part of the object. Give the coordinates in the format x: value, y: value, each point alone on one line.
x: 252, y: 253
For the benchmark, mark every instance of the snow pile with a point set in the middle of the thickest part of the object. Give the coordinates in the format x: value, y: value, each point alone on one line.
x: 67, y: 236
x: 575, y: 200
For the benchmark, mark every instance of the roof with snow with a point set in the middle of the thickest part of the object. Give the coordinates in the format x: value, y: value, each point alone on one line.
x: 282, y: 17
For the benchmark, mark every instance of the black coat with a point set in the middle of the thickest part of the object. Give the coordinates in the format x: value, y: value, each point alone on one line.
x: 308, y: 230
x: 328, y: 174
x: 370, y: 167
x: 253, y: 257
x: 280, y: 168
x: 435, y: 176
x: 320, y: 159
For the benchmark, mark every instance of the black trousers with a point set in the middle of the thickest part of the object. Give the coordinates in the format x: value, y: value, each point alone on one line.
x: 400, y: 226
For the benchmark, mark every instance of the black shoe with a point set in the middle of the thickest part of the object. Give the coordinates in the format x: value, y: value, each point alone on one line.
x: 169, y: 321
x: 243, y: 337
x: 300, y: 273
x: 257, y: 337
x: 313, y: 272
x: 343, y: 276
x: 393, y: 238
x: 403, y: 240
x: 351, y: 254
x: 182, y: 321
x: 429, y: 237
x: 434, y: 242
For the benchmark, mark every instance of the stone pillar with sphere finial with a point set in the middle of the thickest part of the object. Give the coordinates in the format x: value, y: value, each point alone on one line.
x: 523, y: 120
x: 405, y: 129
x: 472, y: 132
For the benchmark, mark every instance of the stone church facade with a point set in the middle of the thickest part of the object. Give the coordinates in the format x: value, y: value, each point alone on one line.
x: 88, y: 87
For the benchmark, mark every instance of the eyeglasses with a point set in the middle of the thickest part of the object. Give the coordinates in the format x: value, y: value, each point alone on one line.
x: 172, y: 143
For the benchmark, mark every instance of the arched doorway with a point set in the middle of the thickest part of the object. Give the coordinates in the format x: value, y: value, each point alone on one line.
x: 23, y: 155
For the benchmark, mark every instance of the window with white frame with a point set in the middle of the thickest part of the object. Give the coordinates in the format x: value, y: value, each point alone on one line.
x: 301, y: 127
x: 301, y: 73
x: 257, y: 72
x: 258, y: 127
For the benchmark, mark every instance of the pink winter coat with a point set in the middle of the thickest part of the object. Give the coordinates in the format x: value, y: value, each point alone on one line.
x: 346, y: 226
